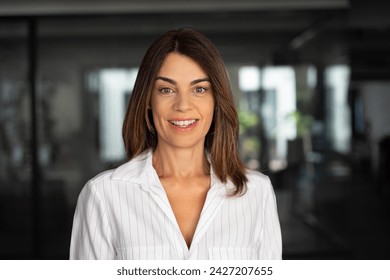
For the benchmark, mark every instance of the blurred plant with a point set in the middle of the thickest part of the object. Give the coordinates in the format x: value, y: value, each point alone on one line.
x: 247, y: 120
x: 251, y: 145
x: 302, y: 122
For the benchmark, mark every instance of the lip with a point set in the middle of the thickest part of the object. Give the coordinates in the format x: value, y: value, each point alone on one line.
x: 180, y: 128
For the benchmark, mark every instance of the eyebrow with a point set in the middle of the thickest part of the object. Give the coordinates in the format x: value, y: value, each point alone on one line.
x: 173, y: 82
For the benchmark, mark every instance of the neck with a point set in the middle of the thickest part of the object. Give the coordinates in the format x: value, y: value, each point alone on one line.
x: 180, y: 163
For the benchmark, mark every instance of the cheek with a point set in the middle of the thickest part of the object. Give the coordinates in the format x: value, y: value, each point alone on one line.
x: 153, y: 105
x: 210, y: 109
x: 209, y: 117
x: 211, y: 113
x: 156, y: 115
x: 157, y: 108
x: 157, y: 118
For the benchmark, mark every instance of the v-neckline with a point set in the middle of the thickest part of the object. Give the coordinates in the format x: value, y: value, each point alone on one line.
x: 213, y: 201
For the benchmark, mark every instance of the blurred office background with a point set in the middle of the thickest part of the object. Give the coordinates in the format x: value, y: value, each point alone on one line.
x: 312, y: 80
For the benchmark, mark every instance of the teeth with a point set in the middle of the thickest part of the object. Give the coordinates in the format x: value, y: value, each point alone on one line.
x: 183, y: 123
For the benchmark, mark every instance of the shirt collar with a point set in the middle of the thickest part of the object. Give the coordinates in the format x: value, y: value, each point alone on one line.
x: 134, y: 171
x: 140, y: 170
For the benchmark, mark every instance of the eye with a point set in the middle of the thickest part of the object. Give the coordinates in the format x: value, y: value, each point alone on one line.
x: 200, y: 90
x: 166, y: 90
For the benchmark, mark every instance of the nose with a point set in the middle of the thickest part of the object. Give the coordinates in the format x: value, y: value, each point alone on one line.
x: 182, y: 102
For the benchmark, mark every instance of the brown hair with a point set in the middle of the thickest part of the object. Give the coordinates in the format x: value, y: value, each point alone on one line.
x: 221, y: 140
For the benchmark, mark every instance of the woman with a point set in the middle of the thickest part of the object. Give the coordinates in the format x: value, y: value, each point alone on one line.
x: 184, y: 193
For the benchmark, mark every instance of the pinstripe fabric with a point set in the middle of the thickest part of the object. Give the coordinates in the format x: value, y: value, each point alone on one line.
x: 125, y: 214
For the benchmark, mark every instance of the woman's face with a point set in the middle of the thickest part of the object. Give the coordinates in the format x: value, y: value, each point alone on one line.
x: 182, y: 102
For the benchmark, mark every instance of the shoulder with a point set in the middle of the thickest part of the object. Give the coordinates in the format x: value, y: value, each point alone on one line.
x: 259, y: 183
x: 107, y: 185
x: 105, y: 175
x: 96, y: 185
x: 256, y: 178
x: 131, y: 171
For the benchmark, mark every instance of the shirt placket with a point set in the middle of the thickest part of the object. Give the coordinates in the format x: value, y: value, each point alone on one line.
x: 177, y: 242
x: 214, y: 201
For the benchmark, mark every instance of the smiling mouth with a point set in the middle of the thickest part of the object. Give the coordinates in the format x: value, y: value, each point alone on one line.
x: 185, y: 123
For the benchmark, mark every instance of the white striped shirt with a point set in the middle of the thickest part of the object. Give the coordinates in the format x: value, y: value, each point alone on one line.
x: 125, y: 214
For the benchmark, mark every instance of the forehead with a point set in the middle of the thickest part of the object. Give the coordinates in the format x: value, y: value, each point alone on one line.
x: 181, y: 66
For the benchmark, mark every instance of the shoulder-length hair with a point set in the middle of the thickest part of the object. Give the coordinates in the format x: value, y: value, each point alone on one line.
x: 221, y: 141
